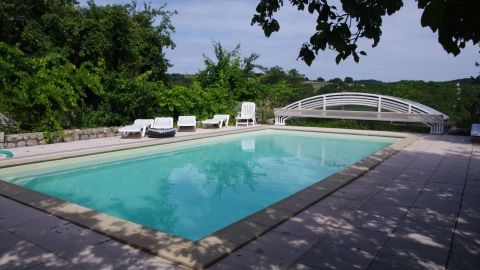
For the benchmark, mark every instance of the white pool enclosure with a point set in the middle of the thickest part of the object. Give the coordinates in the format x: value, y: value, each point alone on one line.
x: 347, y: 105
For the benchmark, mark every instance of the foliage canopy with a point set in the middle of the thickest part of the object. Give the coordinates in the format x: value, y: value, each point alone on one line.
x: 63, y: 65
x: 340, y: 27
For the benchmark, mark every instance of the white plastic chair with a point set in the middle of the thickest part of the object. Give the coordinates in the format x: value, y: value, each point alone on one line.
x: 218, y: 119
x: 247, y: 114
x: 163, y: 122
x: 139, y: 126
x: 187, y: 121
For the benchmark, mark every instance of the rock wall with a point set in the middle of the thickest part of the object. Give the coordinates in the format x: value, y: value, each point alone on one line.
x: 38, y: 138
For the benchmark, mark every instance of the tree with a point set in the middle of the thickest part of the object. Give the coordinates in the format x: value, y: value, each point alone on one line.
x: 340, y: 28
x: 320, y: 79
x: 42, y: 93
x: 228, y: 70
x: 64, y: 66
x: 348, y: 80
x: 335, y: 80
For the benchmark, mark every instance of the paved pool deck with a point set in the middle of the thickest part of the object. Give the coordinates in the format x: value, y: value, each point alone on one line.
x: 419, y: 209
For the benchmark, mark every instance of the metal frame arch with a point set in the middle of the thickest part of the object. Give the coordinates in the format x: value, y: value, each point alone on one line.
x: 398, y: 109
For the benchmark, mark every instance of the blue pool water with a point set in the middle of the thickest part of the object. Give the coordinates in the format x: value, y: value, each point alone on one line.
x: 192, y: 191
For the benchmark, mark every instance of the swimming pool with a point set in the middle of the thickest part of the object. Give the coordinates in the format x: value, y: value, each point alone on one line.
x: 193, y: 189
x: 169, y: 185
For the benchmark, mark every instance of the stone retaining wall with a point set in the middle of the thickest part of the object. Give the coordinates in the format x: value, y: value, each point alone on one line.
x: 38, y: 138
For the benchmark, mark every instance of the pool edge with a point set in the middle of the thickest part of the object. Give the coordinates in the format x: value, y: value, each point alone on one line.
x: 126, y: 146
x: 204, y: 252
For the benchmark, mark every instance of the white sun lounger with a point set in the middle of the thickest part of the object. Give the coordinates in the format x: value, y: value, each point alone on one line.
x: 163, y: 122
x: 187, y: 121
x: 218, y: 120
x: 247, y: 114
x: 139, y: 126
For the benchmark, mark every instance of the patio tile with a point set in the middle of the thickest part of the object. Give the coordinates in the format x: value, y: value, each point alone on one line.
x: 328, y: 217
x: 367, y: 240
x: 17, y: 253
x: 448, y: 179
x: 20, y: 254
x: 358, y: 190
x: 417, y: 183
x: 372, y: 180
x: 396, y: 194
x: 415, y: 174
x: 472, y: 192
x: 402, y: 262
x: 429, y: 217
x: 473, y: 183
x: 383, y: 171
x: 378, y: 217
x: 427, y: 234
x: 424, y: 244
x: 473, y: 175
x: 469, y: 223
x: 443, y: 187
x: 242, y: 259
x: 55, y: 263
x: 111, y: 255
x: 471, y: 203
x: 299, y: 266
x: 444, y: 202
x: 9, y: 240
x: 335, y: 203
x: 330, y: 256
x: 306, y: 228
x: 57, y: 235
x: 283, y: 246
x: 465, y: 252
x: 13, y: 213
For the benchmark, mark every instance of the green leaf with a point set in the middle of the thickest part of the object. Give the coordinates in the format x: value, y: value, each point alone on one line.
x: 338, y: 58
x: 270, y: 27
x: 356, y: 58
x: 306, y: 54
x: 433, y: 14
x: 313, y: 6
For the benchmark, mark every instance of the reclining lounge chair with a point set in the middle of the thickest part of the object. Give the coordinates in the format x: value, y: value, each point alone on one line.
x: 139, y: 126
x: 187, y: 121
x: 219, y: 120
x: 163, y: 122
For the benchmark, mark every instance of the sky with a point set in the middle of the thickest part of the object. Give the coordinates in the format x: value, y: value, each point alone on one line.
x: 406, y: 50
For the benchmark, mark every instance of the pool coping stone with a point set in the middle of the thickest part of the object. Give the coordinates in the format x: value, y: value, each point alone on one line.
x: 208, y: 250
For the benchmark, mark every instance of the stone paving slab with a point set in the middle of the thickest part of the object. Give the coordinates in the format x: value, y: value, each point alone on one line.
x: 246, y: 260
x: 283, y: 246
x: 332, y: 256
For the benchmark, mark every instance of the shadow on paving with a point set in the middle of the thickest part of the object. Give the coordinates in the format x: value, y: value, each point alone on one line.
x: 400, y: 215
